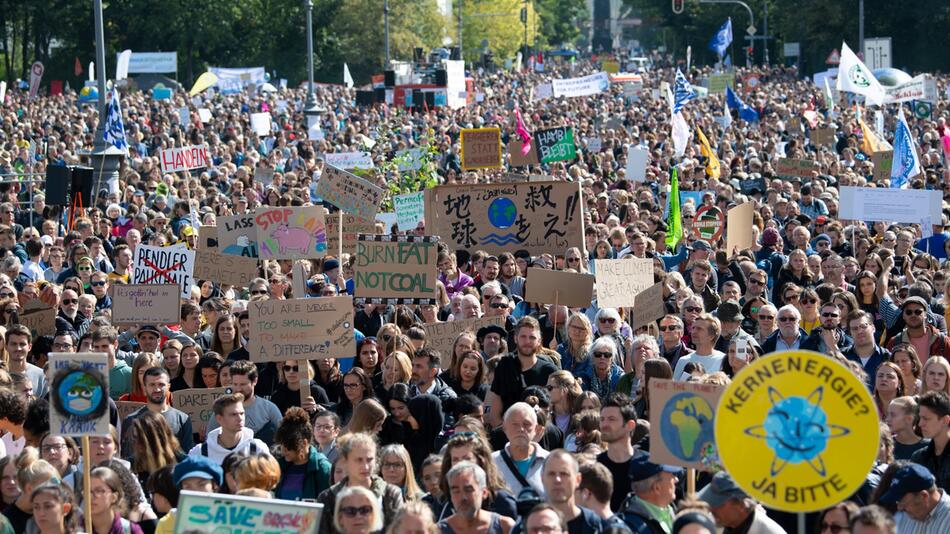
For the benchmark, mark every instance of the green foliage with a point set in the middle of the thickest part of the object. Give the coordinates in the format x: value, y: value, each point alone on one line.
x: 560, y: 21
x: 498, y: 22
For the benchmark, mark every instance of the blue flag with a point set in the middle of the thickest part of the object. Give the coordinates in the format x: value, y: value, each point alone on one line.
x: 906, y: 164
x: 722, y: 38
x: 746, y: 112
x: 682, y: 92
x: 114, y: 133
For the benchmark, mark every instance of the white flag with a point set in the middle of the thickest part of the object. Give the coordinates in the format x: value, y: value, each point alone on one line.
x: 726, y: 114
x: 347, y: 79
x: 855, y: 77
x: 92, y: 70
x: 680, y: 134
x: 122, y: 65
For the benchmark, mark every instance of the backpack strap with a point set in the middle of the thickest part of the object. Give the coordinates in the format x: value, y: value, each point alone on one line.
x: 204, y: 449
x: 514, y: 469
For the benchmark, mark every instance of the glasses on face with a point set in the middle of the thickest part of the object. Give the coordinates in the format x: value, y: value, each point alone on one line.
x: 353, y: 511
x: 53, y: 448
x: 499, y: 306
x: 603, y: 355
x: 916, y: 311
x: 830, y: 314
x: 573, y: 260
x: 393, y: 465
x: 787, y: 319
x: 766, y: 317
x: 791, y: 297
x: 97, y: 284
x: 809, y: 301
x: 259, y: 292
x: 669, y: 328
x: 291, y: 368
x: 833, y: 528
x: 6, y: 295
x: 324, y: 428
x: 69, y: 301
x: 85, y: 269
x: 754, y: 281
x: 694, y: 309
x: 608, y: 320
x: 351, y: 385
x: 99, y: 492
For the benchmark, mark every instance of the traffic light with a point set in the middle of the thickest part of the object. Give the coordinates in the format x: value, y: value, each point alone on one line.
x: 678, y: 6
x: 524, y: 15
x: 748, y: 50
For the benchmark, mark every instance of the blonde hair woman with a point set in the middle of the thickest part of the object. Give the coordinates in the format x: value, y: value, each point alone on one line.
x: 564, y: 389
x: 574, y: 349
x: 368, y: 416
x: 397, y: 369
x: 290, y: 375
x: 936, y: 375
x: 395, y: 467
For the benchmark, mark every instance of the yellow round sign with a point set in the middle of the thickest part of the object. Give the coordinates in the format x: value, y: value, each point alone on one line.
x: 797, y: 431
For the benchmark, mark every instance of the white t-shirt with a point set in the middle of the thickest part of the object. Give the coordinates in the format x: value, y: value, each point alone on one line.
x: 710, y: 362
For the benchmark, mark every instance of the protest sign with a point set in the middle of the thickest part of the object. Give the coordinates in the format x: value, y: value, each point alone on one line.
x: 555, y: 144
x: 542, y: 91
x: 228, y: 269
x: 739, y: 234
x: 708, y: 224
x: 920, y: 87
x: 126, y: 408
x: 649, y: 307
x: 291, y: 233
x: 410, y: 210
x: 352, y: 227
x: 396, y: 269
x: 216, y: 512
x: 822, y: 136
x: 583, y: 86
x: 441, y: 336
x: 237, y: 235
x: 516, y: 158
x: 263, y: 175
x: 889, y: 205
x: 205, y: 115
x: 746, y: 187
x: 197, y: 403
x: 349, y: 192
x: 540, y: 217
x: 594, y: 144
x: 719, y: 82
x: 620, y: 281
x: 564, y: 288
x: 637, y: 160
x: 798, y: 431
x: 481, y: 148
x: 165, y: 265
x: 683, y: 424
x: 152, y: 62
x: 301, y: 329
x: 156, y: 304
x: 184, y: 158
x: 261, y: 123
x: 883, y: 161
x: 41, y: 320
x: 510, y: 178
x: 410, y: 159
x: 79, y: 394
x: 803, y: 168
x: 349, y: 160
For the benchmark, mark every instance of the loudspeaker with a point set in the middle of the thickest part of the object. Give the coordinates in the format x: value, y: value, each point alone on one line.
x: 455, y: 53
x: 379, y: 95
x: 58, y: 179
x: 365, y: 98
x: 82, y: 183
x: 430, y: 99
x: 441, y: 78
x: 418, y: 99
x: 390, y: 78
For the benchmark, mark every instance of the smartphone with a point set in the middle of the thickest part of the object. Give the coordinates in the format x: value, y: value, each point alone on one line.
x: 742, y: 349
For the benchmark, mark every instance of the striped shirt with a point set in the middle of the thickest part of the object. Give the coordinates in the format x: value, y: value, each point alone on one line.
x: 937, y: 522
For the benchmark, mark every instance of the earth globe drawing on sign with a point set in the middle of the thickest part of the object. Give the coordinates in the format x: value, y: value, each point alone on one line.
x: 687, y: 426
x: 502, y: 212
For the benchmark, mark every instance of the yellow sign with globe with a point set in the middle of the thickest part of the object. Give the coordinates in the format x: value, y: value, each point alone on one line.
x: 683, y: 417
x: 797, y: 430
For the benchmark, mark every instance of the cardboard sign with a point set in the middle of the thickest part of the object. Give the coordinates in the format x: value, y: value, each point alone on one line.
x: 237, y: 235
x: 481, y: 148
x: 127, y: 408
x: 441, y: 336
x: 184, y: 158
x: 396, y: 269
x: 164, y: 265
x: 410, y: 210
x: 822, y: 136
x: 353, y: 226
x: 684, y: 415
x: 349, y: 160
x: 544, y: 286
x: 215, y: 512
x: 197, y: 403
x: 540, y: 217
x: 301, y: 329
x: 79, y: 394
x: 796, y: 167
x: 889, y: 205
x: 637, y: 160
x: 620, y: 281
x: 40, y: 321
x: 883, y: 161
x: 227, y: 269
x: 208, y: 237
x: 291, y: 233
x: 511, y: 178
x: 708, y: 224
x: 517, y: 159
x: 556, y: 144
x: 649, y: 306
x: 719, y: 82
x: 349, y: 192
x: 138, y: 304
x: 798, y: 431
x: 264, y: 175
x: 739, y: 234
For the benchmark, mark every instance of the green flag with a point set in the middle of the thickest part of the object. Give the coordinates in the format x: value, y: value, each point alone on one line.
x: 674, y: 223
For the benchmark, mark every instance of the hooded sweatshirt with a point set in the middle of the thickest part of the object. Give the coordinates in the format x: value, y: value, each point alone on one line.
x: 216, y: 453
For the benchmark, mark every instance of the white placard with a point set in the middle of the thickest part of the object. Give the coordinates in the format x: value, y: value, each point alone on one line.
x: 890, y: 205
x: 205, y: 115
x: 349, y: 160
x: 584, y: 86
x: 260, y: 123
x: 152, y: 62
x: 637, y: 159
x: 543, y: 91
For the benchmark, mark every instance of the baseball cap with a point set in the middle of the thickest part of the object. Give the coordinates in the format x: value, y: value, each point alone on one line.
x: 915, y: 300
x: 198, y: 467
x: 641, y: 468
x: 722, y: 488
x: 149, y: 328
x: 700, y: 245
x: 908, y: 478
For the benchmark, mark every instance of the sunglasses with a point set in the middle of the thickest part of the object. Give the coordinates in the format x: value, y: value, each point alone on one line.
x: 6, y: 295
x: 572, y: 260
x: 809, y: 301
x: 85, y: 269
x: 259, y: 292
x: 757, y: 282
x: 787, y: 319
x: 694, y: 309
x: 70, y: 301
x: 915, y: 311
x: 291, y: 368
x: 499, y: 306
x: 830, y: 314
x: 833, y: 528
x: 603, y: 355
x: 791, y: 297
x: 669, y: 328
x: 608, y: 320
x: 353, y: 511
x: 97, y: 284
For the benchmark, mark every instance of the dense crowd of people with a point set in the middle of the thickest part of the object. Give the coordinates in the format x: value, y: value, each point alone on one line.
x: 541, y: 425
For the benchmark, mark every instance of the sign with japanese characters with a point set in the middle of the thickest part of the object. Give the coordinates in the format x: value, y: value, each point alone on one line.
x: 540, y: 217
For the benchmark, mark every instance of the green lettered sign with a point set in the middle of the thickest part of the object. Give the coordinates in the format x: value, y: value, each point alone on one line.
x: 556, y: 144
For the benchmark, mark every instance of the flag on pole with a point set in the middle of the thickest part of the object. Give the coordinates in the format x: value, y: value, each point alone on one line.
x: 347, y: 79
x: 682, y: 91
x: 746, y: 112
x: 680, y: 134
x: 722, y: 39
x: 77, y: 69
x: 726, y: 114
x: 871, y: 143
x: 114, y: 133
x: 855, y: 77
x: 674, y: 223
x: 712, y: 162
x: 906, y: 164
x: 524, y: 134
x: 829, y: 97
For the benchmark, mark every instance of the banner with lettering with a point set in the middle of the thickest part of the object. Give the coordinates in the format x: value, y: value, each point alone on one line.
x: 165, y: 265
x: 184, y: 158
x: 396, y: 269
x: 555, y: 144
x: 291, y: 233
x: 301, y: 329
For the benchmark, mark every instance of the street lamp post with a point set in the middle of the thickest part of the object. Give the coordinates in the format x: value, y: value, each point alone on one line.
x: 311, y: 107
x: 105, y: 158
x: 386, y: 26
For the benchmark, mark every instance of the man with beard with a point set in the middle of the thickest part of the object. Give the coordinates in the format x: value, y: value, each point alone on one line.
x: 468, y: 488
x: 69, y: 316
x: 156, y: 383
x: 518, y: 370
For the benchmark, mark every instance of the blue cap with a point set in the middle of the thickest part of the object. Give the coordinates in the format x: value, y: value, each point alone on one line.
x: 198, y: 467
x: 641, y: 468
x: 722, y: 488
x: 908, y: 478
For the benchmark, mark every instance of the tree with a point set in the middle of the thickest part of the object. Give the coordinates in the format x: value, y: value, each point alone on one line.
x: 560, y: 20
x: 498, y: 22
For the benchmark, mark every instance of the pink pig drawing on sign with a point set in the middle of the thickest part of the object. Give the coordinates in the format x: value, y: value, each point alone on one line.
x: 295, y: 239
